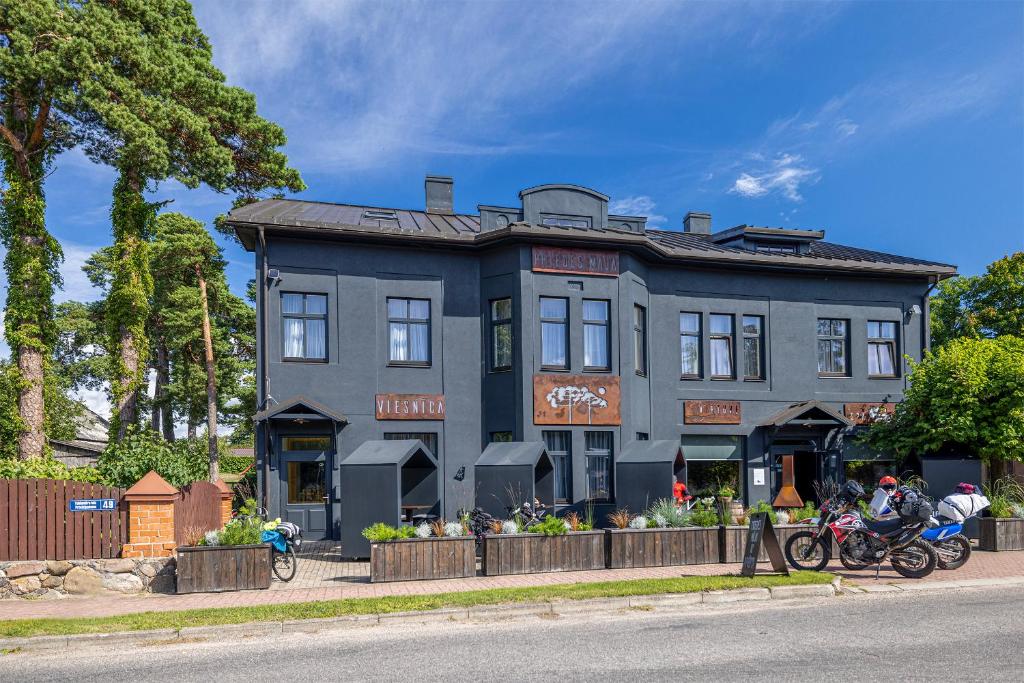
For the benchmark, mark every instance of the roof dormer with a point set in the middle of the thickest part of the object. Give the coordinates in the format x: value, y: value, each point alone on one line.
x: 768, y: 240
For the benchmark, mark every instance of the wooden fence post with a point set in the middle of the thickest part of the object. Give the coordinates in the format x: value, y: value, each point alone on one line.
x: 150, y: 518
x: 226, y: 494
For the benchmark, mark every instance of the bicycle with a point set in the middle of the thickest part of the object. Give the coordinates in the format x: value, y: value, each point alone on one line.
x: 283, y: 540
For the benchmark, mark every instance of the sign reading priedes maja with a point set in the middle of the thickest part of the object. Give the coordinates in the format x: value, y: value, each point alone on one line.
x: 576, y: 400
x: 576, y: 261
x: 711, y: 412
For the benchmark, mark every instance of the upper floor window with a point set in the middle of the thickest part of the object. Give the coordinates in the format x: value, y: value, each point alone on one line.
x: 721, y: 334
x: 554, y: 321
x: 599, y: 465
x: 501, y: 334
x: 776, y: 248
x: 832, y: 347
x: 305, y: 326
x: 689, y: 344
x: 501, y: 437
x: 881, y: 348
x: 565, y: 221
x: 640, y: 339
x: 753, y: 347
x: 595, y: 335
x: 409, y: 331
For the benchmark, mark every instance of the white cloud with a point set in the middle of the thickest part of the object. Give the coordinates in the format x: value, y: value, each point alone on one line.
x: 640, y: 205
x: 785, y: 176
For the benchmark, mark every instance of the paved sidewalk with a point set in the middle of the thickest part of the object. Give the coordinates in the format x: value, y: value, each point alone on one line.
x: 323, y: 576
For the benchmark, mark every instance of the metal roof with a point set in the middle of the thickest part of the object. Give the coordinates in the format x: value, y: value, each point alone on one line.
x: 388, y: 452
x: 512, y: 453
x: 650, y: 451
x: 282, y: 410
x: 798, y: 410
x: 321, y: 219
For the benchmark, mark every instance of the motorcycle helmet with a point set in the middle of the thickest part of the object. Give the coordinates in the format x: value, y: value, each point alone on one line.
x: 966, y: 488
x: 852, y: 490
x: 887, y: 483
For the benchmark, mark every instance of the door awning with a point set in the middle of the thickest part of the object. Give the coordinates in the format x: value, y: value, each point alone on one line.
x: 808, y: 414
x: 300, y: 409
x: 650, y: 451
x: 512, y: 453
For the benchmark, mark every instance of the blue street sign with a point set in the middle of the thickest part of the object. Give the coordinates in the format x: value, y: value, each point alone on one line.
x: 92, y: 504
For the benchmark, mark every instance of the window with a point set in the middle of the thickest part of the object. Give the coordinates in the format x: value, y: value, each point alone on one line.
x: 689, y: 344
x: 643, y: 436
x: 559, y: 447
x: 305, y: 443
x: 831, y: 347
x: 429, y: 439
x: 881, y: 349
x: 501, y: 334
x: 753, y: 343
x: 305, y: 326
x: 777, y: 249
x: 640, y: 339
x: 501, y: 437
x: 595, y: 335
x: 306, y: 483
x: 554, y: 319
x: 565, y: 221
x: 705, y: 477
x: 409, y: 331
x: 721, y: 346
x: 599, y: 465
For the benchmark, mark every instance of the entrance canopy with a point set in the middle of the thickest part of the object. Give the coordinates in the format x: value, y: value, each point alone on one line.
x: 380, y: 478
x: 644, y: 473
x: 808, y: 414
x: 510, y: 473
x: 300, y: 409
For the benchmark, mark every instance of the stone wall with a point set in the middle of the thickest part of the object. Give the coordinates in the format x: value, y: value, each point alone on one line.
x: 59, y: 578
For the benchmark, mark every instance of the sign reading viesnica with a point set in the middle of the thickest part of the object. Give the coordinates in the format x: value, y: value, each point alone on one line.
x: 711, y: 412
x: 576, y: 261
x: 410, y: 406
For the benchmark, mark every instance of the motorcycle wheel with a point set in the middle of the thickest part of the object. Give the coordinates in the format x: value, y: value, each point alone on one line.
x: 915, y: 561
x: 957, y: 548
x: 805, y: 552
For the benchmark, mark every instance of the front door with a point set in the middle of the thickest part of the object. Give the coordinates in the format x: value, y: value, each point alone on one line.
x: 305, y: 488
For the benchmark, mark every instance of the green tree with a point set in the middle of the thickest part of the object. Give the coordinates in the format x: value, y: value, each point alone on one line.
x: 986, y: 305
x: 965, y: 397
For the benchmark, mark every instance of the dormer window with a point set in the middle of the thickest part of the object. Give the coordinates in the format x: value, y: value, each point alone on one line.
x: 776, y: 248
x: 379, y: 217
x: 565, y: 221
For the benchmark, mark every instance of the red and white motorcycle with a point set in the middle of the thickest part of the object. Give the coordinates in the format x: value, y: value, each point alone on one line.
x: 865, y: 542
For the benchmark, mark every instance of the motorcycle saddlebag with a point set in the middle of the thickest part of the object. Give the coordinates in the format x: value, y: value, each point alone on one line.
x: 959, y: 507
x: 918, y: 511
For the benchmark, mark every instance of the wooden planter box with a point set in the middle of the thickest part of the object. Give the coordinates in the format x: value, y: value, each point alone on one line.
x: 627, y: 548
x: 534, y: 553
x: 213, y: 569
x: 1000, y: 533
x: 734, y: 540
x: 416, y: 559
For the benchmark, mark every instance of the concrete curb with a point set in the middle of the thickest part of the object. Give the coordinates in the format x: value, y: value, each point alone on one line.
x: 870, y: 587
x: 484, y: 613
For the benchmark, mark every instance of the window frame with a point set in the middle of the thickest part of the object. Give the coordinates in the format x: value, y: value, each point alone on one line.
x: 564, y: 322
x: 563, y: 456
x: 432, y: 442
x: 408, y: 321
x: 759, y: 337
x: 607, y: 325
x: 699, y: 335
x: 503, y: 432
x: 831, y: 337
x: 730, y: 338
x: 495, y: 323
x: 305, y: 338
x: 590, y: 454
x: 640, y: 340
x: 891, y: 342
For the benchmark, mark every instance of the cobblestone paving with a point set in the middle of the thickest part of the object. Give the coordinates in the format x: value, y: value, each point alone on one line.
x: 323, y: 576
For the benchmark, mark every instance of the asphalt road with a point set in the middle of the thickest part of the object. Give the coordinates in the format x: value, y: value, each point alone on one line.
x: 951, y: 636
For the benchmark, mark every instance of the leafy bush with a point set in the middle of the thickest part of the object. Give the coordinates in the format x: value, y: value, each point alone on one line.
x: 48, y: 468
x: 638, y: 522
x: 239, y: 531
x: 759, y: 507
x: 1001, y: 507
x: 550, y: 526
x: 800, y: 514
x: 665, y: 512
x: 1005, y: 496
x: 704, y: 515
x: 385, y: 532
x: 233, y: 464
x: 180, y: 462
x: 726, y: 491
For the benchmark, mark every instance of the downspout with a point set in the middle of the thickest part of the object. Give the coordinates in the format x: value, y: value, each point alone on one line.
x: 265, y: 380
x: 926, y: 324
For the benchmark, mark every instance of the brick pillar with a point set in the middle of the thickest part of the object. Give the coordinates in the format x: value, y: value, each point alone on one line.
x: 226, y: 494
x: 150, y: 518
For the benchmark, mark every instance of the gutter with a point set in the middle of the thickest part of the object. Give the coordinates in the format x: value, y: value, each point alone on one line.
x: 264, y: 381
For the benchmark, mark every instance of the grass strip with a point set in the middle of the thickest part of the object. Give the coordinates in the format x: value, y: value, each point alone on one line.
x: 143, y: 621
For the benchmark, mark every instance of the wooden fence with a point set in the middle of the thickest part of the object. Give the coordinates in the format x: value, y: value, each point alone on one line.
x: 36, y: 522
x: 196, y: 511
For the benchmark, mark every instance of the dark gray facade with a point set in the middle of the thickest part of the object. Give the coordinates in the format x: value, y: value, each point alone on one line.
x: 359, y: 258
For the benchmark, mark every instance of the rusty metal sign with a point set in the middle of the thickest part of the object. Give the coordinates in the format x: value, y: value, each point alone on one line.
x: 576, y: 400
x: 866, y: 413
x: 410, y: 407
x: 575, y: 261
x: 711, y: 412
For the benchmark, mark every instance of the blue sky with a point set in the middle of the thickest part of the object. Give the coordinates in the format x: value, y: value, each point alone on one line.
x: 892, y: 126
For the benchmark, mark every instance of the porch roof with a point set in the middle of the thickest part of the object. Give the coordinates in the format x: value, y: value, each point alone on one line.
x: 500, y: 453
x: 808, y: 414
x: 389, y: 452
x: 650, y: 451
x: 300, y: 408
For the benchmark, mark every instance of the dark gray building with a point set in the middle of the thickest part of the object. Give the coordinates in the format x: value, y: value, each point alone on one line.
x: 553, y: 321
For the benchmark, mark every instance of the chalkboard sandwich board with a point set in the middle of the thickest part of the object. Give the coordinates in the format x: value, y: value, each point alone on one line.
x: 761, y: 531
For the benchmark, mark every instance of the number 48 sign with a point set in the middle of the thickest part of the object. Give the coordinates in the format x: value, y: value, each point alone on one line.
x: 91, y: 504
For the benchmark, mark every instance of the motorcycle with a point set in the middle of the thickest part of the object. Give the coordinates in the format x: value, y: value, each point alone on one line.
x: 865, y: 542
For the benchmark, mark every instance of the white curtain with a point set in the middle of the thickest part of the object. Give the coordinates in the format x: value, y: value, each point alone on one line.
x: 419, y: 343
x: 553, y: 344
x: 880, y: 360
x: 689, y: 354
x: 595, y: 346
x: 315, y: 339
x: 721, y: 359
x: 291, y: 303
x: 293, y: 338
x: 399, y: 342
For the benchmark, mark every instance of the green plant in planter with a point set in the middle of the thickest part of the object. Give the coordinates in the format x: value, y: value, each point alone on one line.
x: 800, y: 514
x: 759, y: 507
x: 665, y: 510
x: 550, y: 526
x: 703, y: 515
x: 1005, y: 496
x: 726, y: 491
x: 380, y: 532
